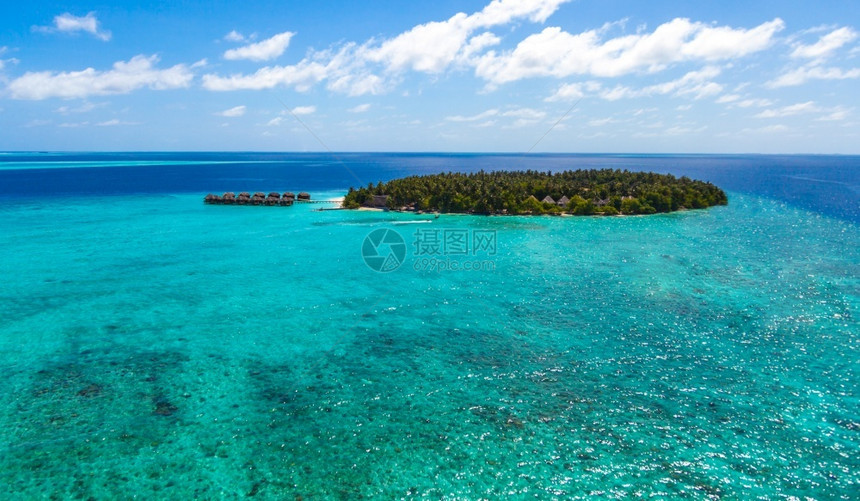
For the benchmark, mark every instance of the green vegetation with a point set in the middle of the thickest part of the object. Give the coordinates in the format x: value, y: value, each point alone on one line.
x: 607, y: 192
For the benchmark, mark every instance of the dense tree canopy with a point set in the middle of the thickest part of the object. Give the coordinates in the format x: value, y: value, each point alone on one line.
x: 605, y: 191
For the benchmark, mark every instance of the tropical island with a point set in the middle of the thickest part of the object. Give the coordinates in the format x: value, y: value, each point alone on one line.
x: 580, y: 192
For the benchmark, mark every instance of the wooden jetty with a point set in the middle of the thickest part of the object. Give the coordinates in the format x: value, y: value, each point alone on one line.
x: 273, y: 199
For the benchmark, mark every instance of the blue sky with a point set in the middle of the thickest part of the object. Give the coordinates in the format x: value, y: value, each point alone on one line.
x: 494, y: 75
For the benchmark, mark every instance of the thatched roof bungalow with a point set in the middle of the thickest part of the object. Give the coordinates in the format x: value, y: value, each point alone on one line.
x: 379, y: 201
x: 548, y: 200
x: 274, y: 198
x: 258, y: 198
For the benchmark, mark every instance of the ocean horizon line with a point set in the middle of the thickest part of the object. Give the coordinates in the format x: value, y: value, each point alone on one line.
x: 404, y: 152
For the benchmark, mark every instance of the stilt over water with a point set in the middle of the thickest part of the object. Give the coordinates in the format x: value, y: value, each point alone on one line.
x: 260, y: 198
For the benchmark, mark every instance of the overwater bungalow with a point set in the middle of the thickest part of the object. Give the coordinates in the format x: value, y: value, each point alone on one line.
x: 274, y: 198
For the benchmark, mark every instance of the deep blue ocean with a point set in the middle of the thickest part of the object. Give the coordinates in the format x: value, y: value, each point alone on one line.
x: 826, y: 184
x: 155, y: 347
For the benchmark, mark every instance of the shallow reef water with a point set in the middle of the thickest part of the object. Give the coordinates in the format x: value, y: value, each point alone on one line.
x: 156, y: 347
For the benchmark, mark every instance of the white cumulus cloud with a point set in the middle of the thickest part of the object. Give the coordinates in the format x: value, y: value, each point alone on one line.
x: 466, y: 42
x: 372, y: 67
x: 433, y: 47
x: 264, y: 50
x: 125, y: 76
x: 68, y: 23
x: 557, y: 53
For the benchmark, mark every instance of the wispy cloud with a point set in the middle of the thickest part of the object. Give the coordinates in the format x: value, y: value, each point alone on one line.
x: 82, y: 108
x: 786, y: 111
x: 825, y: 45
x: 68, y: 23
x: 38, y: 123
x: 114, y: 123
x: 304, y: 110
x: 757, y: 102
x: 769, y: 129
x: 236, y: 111
x: 3, y: 50
x: 235, y: 36
x: 474, y: 118
x: 600, y: 122
x: 126, y: 76
x: 828, y: 114
x: 525, y: 113
x: 680, y: 131
x: 836, y: 115
x: 572, y: 91
x: 736, y: 100
x: 804, y: 74
x: 696, y: 84
x: 264, y: 50
x: 361, y: 108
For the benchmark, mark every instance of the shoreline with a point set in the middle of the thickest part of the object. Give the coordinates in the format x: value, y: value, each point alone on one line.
x: 561, y: 214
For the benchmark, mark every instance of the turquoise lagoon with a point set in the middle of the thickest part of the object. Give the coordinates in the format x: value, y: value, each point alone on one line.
x: 155, y: 347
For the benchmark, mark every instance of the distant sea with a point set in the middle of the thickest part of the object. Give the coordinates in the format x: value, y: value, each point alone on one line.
x: 157, y: 347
